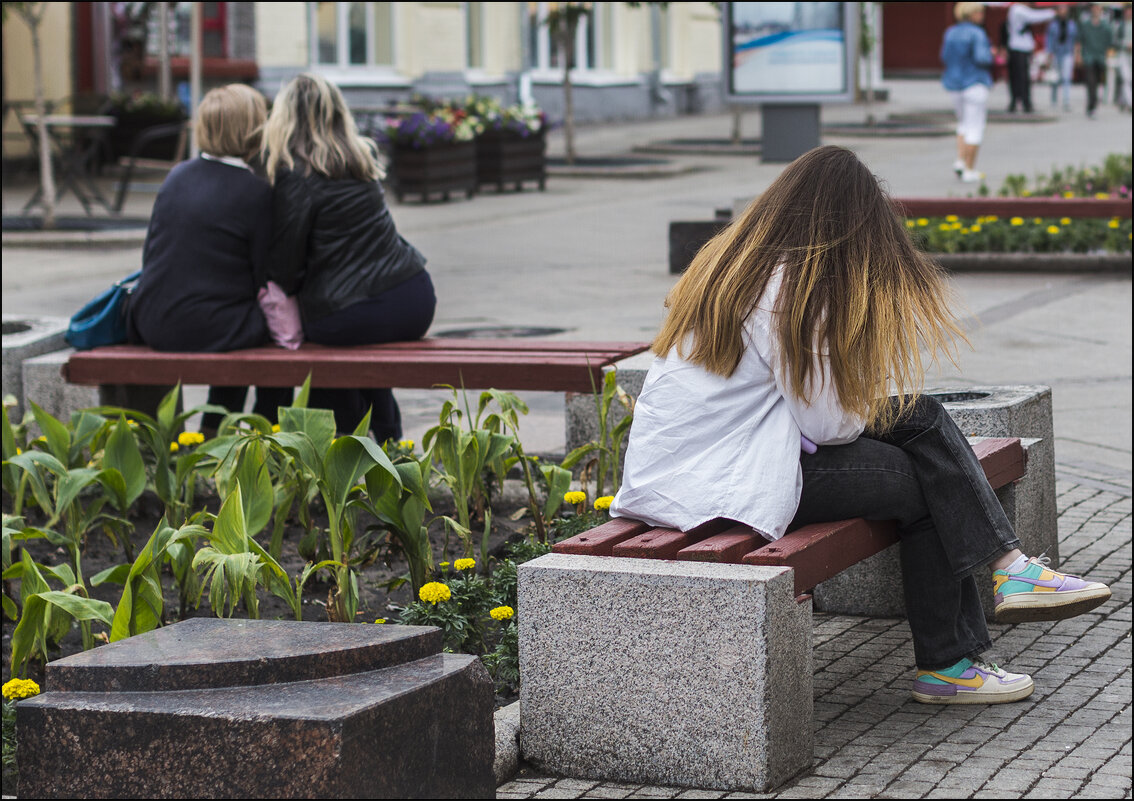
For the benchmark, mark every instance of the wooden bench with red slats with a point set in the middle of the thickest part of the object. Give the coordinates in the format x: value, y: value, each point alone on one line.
x: 816, y: 552
x: 506, y: 364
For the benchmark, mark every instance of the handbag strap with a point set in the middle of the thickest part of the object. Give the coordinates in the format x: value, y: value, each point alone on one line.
x: 131, y: 278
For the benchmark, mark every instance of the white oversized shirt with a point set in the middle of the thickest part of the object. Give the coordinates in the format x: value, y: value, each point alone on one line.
x: 704, y: 446
x: 1020, y: 19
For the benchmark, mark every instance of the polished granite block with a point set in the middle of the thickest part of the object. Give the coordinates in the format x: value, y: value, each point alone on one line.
x: 376, y: 711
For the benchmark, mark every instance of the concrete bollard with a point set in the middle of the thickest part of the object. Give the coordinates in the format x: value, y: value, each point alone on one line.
x: 23, y: 338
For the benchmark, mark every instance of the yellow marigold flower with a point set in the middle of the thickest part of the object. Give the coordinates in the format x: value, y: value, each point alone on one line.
x: 964, y: 231
x: 944, y: 227
x: 442, y: 564
x: 502, y: 613
x: 1037, y: 220
x: 575, y: 497
x: 464, y: 564
x: 922, y: 222
x: 1068, y: 193
x: 132, y: 423
x: 957, y: 226
x: 1113, y: 223
x: 173, y: 447
x: 275, y: 428
x: 15, y: 689
x: 910, y: 223
x: 603, y: 502
x: 380, y: 621
x: 1053, y: 229
x: 19, y: 451
x: 951, y: 218
x: 190, y: 438
x: 40, y: 438
x: 433, y: 592
x: 407, y: 444
x: 1065, y: 221
x: 1026, y: 193
x: 1017, y: 221
x: 975, y: 228
x: 1102, y: 196
x: 991, y: 218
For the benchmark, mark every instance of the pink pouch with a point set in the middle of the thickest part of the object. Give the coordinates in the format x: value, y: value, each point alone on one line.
x: 282, y: 315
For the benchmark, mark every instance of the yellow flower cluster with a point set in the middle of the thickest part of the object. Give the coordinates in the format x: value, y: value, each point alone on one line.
x: 1017, y: 221
x: 15, y: 689
x: 433, y: 592
x: 173, y: 447
x: 190, y: 438
x: 1053, y: 229
x: 464, y: 564
x: 502, y: 613
x: 575, y: 497
x: 603, y: 502
x: 1114, y: 223
x: 406, y: 443
x: 275, y: 428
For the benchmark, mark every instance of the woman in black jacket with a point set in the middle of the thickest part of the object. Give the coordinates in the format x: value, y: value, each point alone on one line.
x: 206, y: 248
x: 334, y: 243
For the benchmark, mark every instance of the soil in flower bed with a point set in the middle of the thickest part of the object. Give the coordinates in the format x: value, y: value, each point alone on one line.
x: 375, y: 601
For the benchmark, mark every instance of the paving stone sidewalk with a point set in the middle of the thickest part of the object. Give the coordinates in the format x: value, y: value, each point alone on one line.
x: 1071, y: 739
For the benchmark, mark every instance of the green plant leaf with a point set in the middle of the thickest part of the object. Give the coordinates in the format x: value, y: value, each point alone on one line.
x: 348, y: 459
x: 58, y: 438
x: 122, y: 454
x: 576, y: 456
x: 304, y: 393
x: 167, y: 411
x: 115, y: 575
x: 317, y: 424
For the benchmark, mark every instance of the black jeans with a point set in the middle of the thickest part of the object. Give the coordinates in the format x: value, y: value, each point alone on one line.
x: 923, y: 474
x: 1019, y: 80
x: 400, y: 314
x: 1095, y: 74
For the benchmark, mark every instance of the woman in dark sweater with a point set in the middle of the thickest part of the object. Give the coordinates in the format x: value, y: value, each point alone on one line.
x: 206, y: 248
x: 334, y: 243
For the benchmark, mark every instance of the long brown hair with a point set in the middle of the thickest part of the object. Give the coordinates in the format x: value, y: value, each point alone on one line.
x: 310, y: 125
x: 853, y: 286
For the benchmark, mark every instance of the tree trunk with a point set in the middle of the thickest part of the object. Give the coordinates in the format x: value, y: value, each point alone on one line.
x: 46, y: 176
x: 567, y: 46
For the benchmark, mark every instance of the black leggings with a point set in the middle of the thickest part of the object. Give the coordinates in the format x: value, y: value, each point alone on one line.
x: 400, y: 314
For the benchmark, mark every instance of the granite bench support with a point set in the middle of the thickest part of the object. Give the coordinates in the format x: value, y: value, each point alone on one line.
x: 210, y: 708
x: 664, y: 672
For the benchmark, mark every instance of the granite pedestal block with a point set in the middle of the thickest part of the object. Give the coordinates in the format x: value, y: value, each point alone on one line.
x: 667, y: 673
x: 211, y: 708
x: 873, y: 587
x: 23, y: 338
x: 43, y: 383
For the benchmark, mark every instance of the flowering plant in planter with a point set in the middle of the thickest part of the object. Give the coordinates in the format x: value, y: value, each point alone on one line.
x: 422, y: 130
x: 521, y: 120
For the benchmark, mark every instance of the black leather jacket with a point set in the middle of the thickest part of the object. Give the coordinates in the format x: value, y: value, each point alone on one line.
x: 334, y: 243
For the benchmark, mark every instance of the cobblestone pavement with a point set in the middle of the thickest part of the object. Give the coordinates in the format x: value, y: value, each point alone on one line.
x: 1071, y: 739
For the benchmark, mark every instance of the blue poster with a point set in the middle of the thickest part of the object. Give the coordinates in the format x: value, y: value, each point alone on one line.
x: 787, y: 48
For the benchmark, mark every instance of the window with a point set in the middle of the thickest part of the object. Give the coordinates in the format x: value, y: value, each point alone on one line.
x: 352, y: 34
x: 474, y: 34
x: 545, y: 53
x: 214, y: 30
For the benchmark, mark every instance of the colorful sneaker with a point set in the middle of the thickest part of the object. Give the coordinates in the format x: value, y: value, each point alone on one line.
x: 978, y: 683
x: 1037, y: 592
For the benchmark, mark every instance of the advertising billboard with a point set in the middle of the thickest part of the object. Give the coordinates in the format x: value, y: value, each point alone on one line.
x: 788, y: 52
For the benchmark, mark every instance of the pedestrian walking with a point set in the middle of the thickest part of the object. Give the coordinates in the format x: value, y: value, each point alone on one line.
x: 1123, y: 42
x: 1021, y: 44
x: 1059, y: 42
x: 967, y: 55
x: 1096, y: 38
x: 791, y: 328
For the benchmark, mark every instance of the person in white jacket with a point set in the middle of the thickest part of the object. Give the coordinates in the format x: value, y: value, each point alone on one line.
x: 790, y: 330
x: 1021, y: 44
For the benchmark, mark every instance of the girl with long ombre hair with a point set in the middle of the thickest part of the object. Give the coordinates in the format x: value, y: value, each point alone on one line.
x: 785, y: 391
x: 334, y: 243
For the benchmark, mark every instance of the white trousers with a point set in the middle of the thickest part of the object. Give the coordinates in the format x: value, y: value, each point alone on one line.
x: 971, y: 105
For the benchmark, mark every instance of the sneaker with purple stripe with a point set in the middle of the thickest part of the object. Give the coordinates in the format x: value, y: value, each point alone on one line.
x: 971, y: 682
x: 1036, y: 592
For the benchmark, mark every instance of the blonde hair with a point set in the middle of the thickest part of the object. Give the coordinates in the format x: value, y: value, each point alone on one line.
x: 311, y: 125
x: 229, y: 119
x: 962, y: 11
x: 853, y: 286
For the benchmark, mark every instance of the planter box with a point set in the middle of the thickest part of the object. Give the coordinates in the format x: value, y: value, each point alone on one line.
x: 507, y: 158
x: 440, y: 169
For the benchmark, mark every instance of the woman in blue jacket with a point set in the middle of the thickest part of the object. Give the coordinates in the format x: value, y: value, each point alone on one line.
x: 1060, y: 45
x: 967, y: 55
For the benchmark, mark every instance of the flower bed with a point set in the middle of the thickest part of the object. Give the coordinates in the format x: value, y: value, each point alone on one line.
x: 432, y: 153
x: 992, y: 234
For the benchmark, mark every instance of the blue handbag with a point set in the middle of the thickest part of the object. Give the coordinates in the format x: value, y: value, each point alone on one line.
x: 103, y: 320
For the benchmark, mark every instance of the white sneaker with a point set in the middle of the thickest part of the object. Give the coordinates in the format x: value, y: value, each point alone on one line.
x: 981, y: 683
x: 958, y: 167
x: 971, y: 176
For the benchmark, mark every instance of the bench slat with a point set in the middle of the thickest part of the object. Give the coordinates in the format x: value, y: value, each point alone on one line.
x: 819, y: 551
x: 362, y: 366
x: 599, y: 540
x: 1003, y: 458
x: 664, y: 543
x: 728, y: 547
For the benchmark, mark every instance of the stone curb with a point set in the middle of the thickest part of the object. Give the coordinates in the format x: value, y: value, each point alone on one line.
x: 721, y: 148
x: 507, y: 761
x: 1035, y: 262
x: 74, y: 239
x: 634, y: 172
